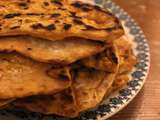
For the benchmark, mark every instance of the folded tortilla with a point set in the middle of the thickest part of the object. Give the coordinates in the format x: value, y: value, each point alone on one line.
x: 57, y: 52
x: 83, y: 95
x: 90, y: 82
x: 127, y: 60
x: 20, y: 77
x: 105, y: 61
x: 89, y: 86
x: 62, y: 104
x: 66, y: 59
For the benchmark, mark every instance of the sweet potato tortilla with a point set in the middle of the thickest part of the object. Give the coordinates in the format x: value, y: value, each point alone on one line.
x: 60, y: 57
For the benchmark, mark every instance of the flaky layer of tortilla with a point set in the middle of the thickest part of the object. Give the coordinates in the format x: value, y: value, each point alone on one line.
x: 62, y: 104
x: 83, y: 95
x: 89, y: 86
x: 127, y: 60
x: 32, y: 76
x: 20, y: 77
x: 58, y: 52
x: 105, y: 61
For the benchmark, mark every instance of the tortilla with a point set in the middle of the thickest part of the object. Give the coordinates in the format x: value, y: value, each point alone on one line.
x: 62, y: 52
x: 62, y: 104
x: 81, y: 97
x: 105, y: 61
x: 126, y: 56
x: 4, y: 102
x: 90, y: 88
x: 127, y: 60
x: 58, y: 20
x: 20, y: 77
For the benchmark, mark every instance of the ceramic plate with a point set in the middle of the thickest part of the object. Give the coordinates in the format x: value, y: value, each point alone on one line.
x: 118, y: 100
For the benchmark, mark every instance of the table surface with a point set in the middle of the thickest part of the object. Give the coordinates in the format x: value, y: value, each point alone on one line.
x: 146, y: 106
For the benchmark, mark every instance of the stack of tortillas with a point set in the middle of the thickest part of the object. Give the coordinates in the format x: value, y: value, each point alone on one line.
x: 60, y: 57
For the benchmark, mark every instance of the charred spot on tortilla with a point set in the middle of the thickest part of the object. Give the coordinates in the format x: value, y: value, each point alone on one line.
x: 85, y: 7
x: 23, y: 5
x: 77, y: 4
x: 35, y: 14
x: 15, y: 27
x: 46, y: 3
x: 37, y: 26
x: 78, y: 21
x: 60, y: 8
x: 29, y: 48
x: 58, y: 2
x: 12, y: 15
x: 57, y: 21
x: 50, y: 27
x: 55, y: 15
x: 67, y: 26
x: 73, y: 14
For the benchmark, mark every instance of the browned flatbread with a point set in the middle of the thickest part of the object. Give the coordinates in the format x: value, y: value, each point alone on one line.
x: 56, y: 20
x: 126, y: 55
x: 127, y: 60
x: 62, y: 103
x: 88, y: 91
x: 58, y: 31
x: 105, y: 61
x: 60, y: 52
x: 4, y: 102
x: 90, y: 87
x: 20, y: 77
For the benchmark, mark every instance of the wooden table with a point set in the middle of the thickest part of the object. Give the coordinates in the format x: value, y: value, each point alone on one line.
x: 146, y: 106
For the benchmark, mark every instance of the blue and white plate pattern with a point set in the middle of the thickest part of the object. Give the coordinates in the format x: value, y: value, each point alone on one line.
x: 118, y: 100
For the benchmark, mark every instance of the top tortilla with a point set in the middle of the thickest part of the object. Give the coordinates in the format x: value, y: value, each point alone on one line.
x: 56, y: 20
